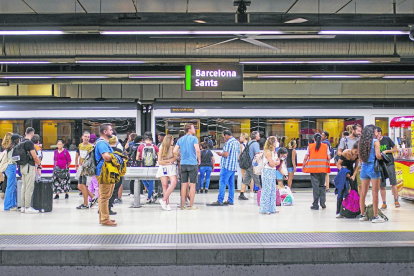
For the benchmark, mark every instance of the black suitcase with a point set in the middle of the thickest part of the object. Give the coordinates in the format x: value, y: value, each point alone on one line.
x: 42, y: 199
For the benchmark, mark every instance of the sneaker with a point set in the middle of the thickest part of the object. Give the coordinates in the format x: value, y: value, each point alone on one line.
x: 117, y: 201
x: 131, y: 195
x: 154, y: 198
x: 192, y: 208
x: 163, y: 204
x: 30, y: 210
x: 201, y: 191
x: 112, y: 213
x: 383, y: 207
x: 378, y: 219
x: 66, y: 196
x: 168, y: 207
x: 93, y: 202
x: 23, y: 210
x: 56, y: 196
x: 339, y: 216
x: 183, y: 208
x: 242, y: 197
x: 228, y: 203
x: 397, y: 204
x: 251, y: 195
x: 362, y: 218
x: 82, y: 207
x: 13, y: 209
x: 120, y: 200
x: 314, y: 208
x: 216, y: 203
x: 323, y: 206
x: 206, y: 191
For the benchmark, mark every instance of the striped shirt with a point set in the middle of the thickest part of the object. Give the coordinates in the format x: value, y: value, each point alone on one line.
x: 231, y: 163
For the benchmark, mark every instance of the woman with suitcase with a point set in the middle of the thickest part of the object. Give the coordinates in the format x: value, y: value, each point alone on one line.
x: 61, y: 176
x: 10, y: 199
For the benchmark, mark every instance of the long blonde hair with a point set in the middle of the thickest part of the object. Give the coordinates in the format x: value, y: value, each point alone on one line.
x: 292, y: 144
x: 246, y: 136
x: 270, y: 144
x: 7, y: 140
x: 166, y: 144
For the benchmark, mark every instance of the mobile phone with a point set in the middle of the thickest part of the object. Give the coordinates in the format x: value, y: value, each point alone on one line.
x: 164, y: 170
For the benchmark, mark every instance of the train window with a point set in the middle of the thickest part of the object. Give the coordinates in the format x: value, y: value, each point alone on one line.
x: 51, y: 130
x: 14, y: 126
x: 383, y: 124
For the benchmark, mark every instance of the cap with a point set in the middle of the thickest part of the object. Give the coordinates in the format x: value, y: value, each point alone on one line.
x: 15, y: 137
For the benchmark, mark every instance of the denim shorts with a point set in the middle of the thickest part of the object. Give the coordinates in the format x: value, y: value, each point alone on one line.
x: 290, y: 170
x: 279, y: 176
x: 368, y: 172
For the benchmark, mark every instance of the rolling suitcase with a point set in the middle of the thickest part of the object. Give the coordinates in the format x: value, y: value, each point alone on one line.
x: 19, y: 193
x: 42, y: 199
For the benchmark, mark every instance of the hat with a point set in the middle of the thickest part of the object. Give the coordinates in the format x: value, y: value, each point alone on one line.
x: 15, y: 137
x: 93, y: 138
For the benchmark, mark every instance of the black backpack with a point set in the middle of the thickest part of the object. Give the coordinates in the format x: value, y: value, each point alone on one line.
x: 20, y: 155
x: 132, y: 156
x: 245, y: 161
x: 205, y: 158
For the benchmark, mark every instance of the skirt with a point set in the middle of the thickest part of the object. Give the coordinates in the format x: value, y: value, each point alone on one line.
x: 171, y: 170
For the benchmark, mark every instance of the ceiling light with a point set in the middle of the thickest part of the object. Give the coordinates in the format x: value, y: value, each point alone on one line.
x: 399, y: 77
x: 156, y: 77
x: 336, y: 76
x: 281, y: 77
x: 296, y: 20
x: 364, y: 32
x: 111, y: 61
x: 308, y: 62
x: 340, y: 61
x: 229, y: 32
x: 23, y: 62
x: 145, y: 32
x: 81, y: 77
x: 38, y: 32
x: 200, y: 21
x: 27, y: 77
x: 271, y: 62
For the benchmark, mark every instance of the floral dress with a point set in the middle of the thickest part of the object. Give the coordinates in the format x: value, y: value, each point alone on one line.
x: 268, y: 193
x: 62, y: 161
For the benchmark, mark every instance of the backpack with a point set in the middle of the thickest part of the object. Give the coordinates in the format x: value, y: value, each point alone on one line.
x: 148, y: 156
x: 369, y: 212
x: 20, y: 155
x: 258, y: 163
x: 89, y: 164
x: 350, y: 205
x: 132, y: 156
x: 205, y: 159
x: 245, y: 161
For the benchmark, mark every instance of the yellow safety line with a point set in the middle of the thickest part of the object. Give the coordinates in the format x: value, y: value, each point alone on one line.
x: 204, y: 233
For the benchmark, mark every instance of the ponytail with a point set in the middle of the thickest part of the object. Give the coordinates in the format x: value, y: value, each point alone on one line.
x: 317, y: 138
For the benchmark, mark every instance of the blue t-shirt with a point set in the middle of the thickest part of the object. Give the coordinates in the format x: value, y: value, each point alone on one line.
x: 254, y: 148
x: 326, y: 141
x: 187, y: 149
x: 101, y: 147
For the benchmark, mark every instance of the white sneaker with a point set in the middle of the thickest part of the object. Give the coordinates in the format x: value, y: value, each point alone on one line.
x: 339, y: 216
x: 363, y: 218
x: 131, y: 196
x: 251, y: 195
x: 31, y: 211
x: 378, y: 219
x: 168, y: 207
x: 163, y: 204
x: 23, y: 210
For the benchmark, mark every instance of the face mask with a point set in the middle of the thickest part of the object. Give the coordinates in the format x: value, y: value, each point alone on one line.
x: 282, y: 158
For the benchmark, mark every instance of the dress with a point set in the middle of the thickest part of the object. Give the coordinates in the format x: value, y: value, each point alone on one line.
x: 268, y: 193
x: 62, y: 161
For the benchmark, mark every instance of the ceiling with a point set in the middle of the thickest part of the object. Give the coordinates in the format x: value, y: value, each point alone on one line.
x: 205, y: 6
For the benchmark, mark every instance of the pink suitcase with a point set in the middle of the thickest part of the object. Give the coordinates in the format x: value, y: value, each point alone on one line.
x: 278, y: 198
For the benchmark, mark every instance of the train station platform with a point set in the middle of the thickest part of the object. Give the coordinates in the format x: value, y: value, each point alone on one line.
x: 206, y: 241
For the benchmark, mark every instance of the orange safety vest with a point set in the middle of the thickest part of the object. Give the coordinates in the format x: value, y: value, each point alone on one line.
x: 318, y: 160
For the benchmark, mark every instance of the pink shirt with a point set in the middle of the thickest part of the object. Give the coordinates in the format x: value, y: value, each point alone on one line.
x: 60, y: 160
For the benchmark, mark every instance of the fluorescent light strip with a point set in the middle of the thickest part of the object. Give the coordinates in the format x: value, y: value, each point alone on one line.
x: 26, y: 77
x: 399, y: 77
x: 282, y: 77
x: 31, y: 32
x: 24, y: 62
x: 112, y: 61
x: 156, y: 77
x: 335, y: 76
x: 309, y: 62
x: 364, y: 32
x: 81, y: 77
x: 231, y: 32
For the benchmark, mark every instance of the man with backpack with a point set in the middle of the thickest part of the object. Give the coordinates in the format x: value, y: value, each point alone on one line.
x: 25, y: 156
x: 147, y: 154
x: 102, y: 154
x: 250, y: 178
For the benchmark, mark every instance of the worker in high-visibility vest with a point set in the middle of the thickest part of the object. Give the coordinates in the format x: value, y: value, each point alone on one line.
x: 316, y: 162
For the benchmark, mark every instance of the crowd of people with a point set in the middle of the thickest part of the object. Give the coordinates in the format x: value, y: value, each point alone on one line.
x: 182, y: 160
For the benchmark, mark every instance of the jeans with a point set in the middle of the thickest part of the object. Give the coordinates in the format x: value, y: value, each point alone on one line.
x: 10, y: 199
x: 149, y: 184
x: 226, y: 179
x: 207, y: 172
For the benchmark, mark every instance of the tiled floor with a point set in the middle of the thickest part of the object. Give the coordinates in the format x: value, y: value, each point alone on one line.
x: 243, y: 217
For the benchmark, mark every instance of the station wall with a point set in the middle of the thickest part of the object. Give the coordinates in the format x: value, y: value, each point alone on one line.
x: 251, y: 90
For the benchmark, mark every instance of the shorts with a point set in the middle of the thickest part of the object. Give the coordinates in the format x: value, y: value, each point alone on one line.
x: 82, y: 180
x: 189, y: 173
x: 368, y: 172
x: 391, y: 174
x: 249, y: 175
x: 290, y: 170
x: 171, y: 170
x: 279, y: 176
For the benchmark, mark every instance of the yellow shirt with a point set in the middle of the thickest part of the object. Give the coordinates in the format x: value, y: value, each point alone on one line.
x: 84, y: 150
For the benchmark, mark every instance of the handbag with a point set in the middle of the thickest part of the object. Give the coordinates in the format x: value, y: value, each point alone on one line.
x: 3, y: 161
x: 58, y: 172
x: 386, y: 159
x: 377, y: 166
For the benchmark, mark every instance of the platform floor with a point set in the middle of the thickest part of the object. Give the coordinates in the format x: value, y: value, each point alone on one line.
x: 243, y: 217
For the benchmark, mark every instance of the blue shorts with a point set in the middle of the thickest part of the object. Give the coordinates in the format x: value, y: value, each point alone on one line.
x: 368, y: 172
x: 290, y: 170
x: 279, y: 176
